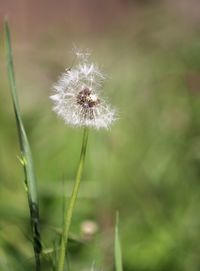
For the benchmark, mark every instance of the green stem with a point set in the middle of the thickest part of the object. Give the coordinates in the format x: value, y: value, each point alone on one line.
x: 27, y: 161
x: 70, y: 209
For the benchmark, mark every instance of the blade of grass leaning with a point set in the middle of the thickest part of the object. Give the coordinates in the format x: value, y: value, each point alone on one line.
x: 118, y: 252
x: 26, y: 159
x: 69, y: 211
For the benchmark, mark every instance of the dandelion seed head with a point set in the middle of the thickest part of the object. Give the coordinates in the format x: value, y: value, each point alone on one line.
x: 77, y: 97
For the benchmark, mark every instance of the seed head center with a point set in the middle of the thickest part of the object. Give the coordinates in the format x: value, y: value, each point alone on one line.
x: 86, y: 99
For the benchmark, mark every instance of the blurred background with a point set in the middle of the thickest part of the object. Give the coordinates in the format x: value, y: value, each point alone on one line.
x: 147, y: 166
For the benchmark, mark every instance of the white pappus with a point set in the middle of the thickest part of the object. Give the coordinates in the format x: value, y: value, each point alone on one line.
x: 76, y: 96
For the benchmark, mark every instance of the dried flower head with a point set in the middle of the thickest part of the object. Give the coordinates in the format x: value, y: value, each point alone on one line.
x: 77, y: 96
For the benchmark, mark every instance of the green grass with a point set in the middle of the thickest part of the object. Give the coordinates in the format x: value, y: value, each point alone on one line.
x: 26, y: 156
x: 118, y: 250
x: 146, y: 166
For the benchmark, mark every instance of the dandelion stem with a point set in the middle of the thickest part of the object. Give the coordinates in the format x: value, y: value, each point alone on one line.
x: 69, y: 211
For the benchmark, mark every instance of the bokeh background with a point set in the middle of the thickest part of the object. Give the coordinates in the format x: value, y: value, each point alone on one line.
x: 147, y: 166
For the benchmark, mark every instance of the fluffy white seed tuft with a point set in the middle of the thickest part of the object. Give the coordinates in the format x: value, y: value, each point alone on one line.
x: 76, y: 96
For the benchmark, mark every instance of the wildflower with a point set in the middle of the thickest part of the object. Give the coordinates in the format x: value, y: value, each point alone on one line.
x: 77, y: 96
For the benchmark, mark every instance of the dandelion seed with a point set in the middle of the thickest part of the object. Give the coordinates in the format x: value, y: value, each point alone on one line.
x: 77, y: 97
x: 80, y: 53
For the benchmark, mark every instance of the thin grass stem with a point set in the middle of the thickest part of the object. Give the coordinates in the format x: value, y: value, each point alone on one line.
x: 118, y: 252
x: 69, y: 211
x: 26, y: 156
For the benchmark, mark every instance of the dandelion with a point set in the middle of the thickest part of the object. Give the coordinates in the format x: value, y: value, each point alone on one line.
x: 78, y: 101
x: 77, y: 97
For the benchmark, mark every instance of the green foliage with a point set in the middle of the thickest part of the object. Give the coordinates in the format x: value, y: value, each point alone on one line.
x: 146, y: 166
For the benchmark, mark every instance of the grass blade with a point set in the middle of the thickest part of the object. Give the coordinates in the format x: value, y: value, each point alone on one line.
x: 118, y: 253
x: 26, y: 160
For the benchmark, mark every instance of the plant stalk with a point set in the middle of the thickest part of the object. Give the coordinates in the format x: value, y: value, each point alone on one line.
x: 26, y: 160
x: 69, y: 211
